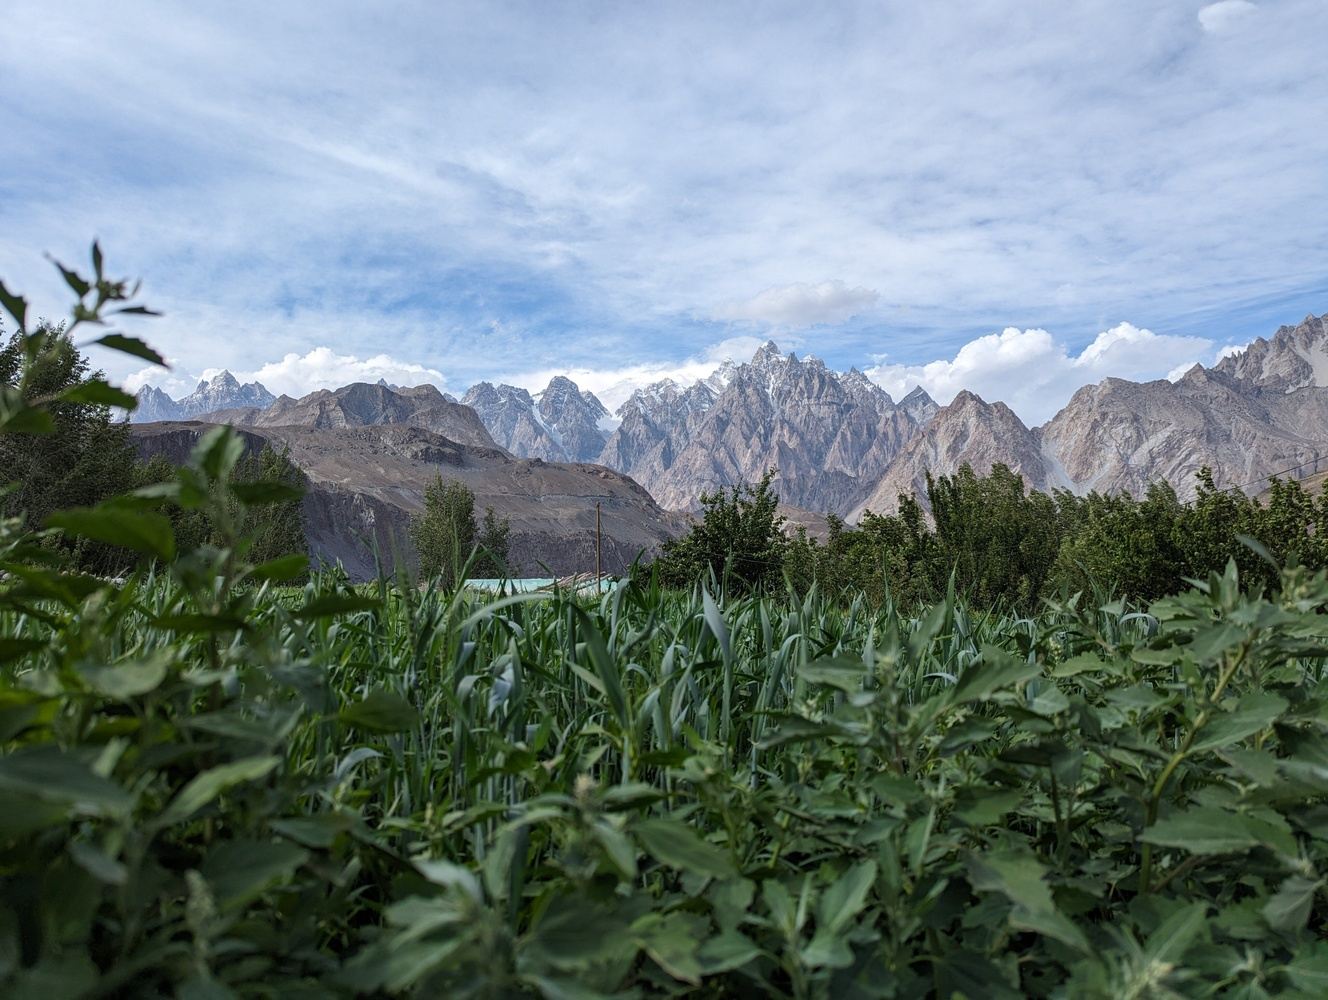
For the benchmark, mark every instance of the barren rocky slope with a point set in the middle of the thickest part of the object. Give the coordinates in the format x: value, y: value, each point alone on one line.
x: 366, y: 481
x: 968, y: 431
x: 362, y: 404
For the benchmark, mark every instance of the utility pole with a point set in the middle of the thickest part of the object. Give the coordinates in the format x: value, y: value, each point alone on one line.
x: 599, y: 569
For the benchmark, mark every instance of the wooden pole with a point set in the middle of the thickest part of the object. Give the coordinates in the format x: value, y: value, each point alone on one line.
x: 599, y: 566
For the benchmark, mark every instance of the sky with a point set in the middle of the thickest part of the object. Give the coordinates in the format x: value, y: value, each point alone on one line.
x: 1013, y: 197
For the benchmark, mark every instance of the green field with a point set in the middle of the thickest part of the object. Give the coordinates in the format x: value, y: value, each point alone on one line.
x: 393, y: 790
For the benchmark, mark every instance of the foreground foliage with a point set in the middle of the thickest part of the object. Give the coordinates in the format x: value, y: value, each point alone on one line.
x: 211, y: 786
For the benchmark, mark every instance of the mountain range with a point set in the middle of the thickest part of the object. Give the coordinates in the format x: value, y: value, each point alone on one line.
x: 841, y: 444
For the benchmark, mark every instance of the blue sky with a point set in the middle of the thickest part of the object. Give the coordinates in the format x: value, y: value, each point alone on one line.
x: 457, y: 191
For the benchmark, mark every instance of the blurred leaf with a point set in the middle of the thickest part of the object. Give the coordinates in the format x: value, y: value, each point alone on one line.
x: 336, y: 604
x: 99, y: 393
x: 673, y: 941
x: 678, y: 846
x: 1289, y: 908
x: 381, y: 711
x: 15, y: 305
x: 133, y: 346
x: 50, y: 775
x: 1255, y: 712
x: 205, y: 787
x: 128, y: 678
x: 281, y: 568
x: 142, y: 531
x: 239, y: 870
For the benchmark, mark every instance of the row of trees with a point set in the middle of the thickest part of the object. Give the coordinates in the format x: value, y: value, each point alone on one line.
x: 1003, y: 544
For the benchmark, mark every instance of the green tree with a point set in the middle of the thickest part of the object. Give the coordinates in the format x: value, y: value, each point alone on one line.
x: 740, y: 535
x: 86, y: 456
x: 444, y: 532
x: 494, y: 542
x: 277, y: 528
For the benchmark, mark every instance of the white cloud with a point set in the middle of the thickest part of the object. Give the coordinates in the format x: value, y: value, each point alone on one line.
x: 298, y: 374
x: 613, y: 384
x: 800, y: 305
x: 1229, y: 350
x: 322, y: 368
x: 1035, y: 374
x: 1225, y: 15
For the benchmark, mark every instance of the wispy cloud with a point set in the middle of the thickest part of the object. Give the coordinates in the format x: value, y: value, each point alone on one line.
x: 1225, y: 15
x: 801, y: 305
x: 484, y: 188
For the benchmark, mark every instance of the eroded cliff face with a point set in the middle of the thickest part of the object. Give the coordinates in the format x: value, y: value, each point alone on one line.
x: 366, y: 481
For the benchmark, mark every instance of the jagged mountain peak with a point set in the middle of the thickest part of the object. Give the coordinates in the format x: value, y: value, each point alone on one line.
x: 1295, y: 357
x: 221, y: 392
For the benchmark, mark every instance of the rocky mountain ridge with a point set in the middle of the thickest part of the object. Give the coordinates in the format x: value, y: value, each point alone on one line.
x: 366, y: 480
x: 1257, y: 413
x: 220, y: 392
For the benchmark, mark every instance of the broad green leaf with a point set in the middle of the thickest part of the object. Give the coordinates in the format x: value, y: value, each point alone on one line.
x: 205, y: 787
x: 240, y: 870
x: 1016, y: 874
x: 141, y: 530
x: 994, y: 671
x: 846, y: 896
x: 977, y: 805
x: 1289, y: 908
x: 726, y: 951
x: 1308, y: 970
x: 99, y: 393
x: 281, y: 568
x: 679, y: 846
x: 1167, y: 944
x: 1255, y: 712
x: 673, y: 940
x: 1202, y: 830
x: 128, y: 678
x: 381, y: 711
x: 131, y: 345
x: 336, y: 604
x: 50, y: 775
x: 576, y: 934
x: 841, y: 672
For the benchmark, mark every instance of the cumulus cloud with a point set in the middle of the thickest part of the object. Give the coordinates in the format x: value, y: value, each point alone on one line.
x: 800, y: 305
x: 1225, y: 15
x: 1035, y: 374
x: 298, y: 374
x: 613, y: 384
